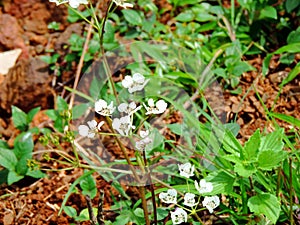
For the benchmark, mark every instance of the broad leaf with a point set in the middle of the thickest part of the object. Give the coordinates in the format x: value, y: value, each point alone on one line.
x: 266, y: 204
x: 19, y: 118
x: 132, y: 17
x: 88, y: 186
x: 251, y: 147
x: 13, y: 177
x: 32, y: 113
x: 267, y: 160
x: 8, y: 159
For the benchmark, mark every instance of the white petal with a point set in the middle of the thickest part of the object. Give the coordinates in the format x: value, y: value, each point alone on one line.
x: 92, y: 124
x: 100, y: 125
x: 127, y: 82
x: 138, y: 78
x: 151, y: 102
x: 122, y: 107
x: 83, y: 130
x: 100, y: 104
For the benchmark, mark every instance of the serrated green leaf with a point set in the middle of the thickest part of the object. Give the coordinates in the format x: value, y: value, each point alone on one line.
x: 251, y: 147
x: 88, y: 186
x: 269, y: 159
x: 19, y: 118
x: 132, y: 17
x: 13, y: 177
x: 272, y: 141
x: 266, y: 204
x: 244, y: 170
x: 8, y: 159
x: 222, y: 182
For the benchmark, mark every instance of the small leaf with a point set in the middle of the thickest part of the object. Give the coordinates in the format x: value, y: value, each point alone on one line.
x: 84, y: 214
x: 132, y: 17
x: 88, y: 186
x: 70, y: 211
x: 23, y: 145
x: 21, y: 167
x: 32, y: 113
x: 8, y: 159
x: 266, y: 204
x: 61, y: 104
x: 268, y: 12
x: 13, y: 177
x: 185, y: 16
x: 162, y: 213
x: 19, y: 118
x: 139, y: 212
x: 293, y: 74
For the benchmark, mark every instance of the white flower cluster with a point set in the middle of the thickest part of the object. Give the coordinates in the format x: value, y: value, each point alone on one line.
x: 203, y: 187
x: 72, y: 3
x: 124, y: 124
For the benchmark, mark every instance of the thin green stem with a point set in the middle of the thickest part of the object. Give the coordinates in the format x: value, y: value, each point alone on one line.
x: 291, y: 191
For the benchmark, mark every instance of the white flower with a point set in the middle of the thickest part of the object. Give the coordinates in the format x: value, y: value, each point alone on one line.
x: 103, y: 108
x: 123, y: 3
x: 58, y: 2
x: 189, y: 199
x: 157, y: 108
x: 73, y: 3
x: 135, y: 83
x: 122, y: 125
x: 203, y: 186
x: 168, y: 197
x: 146, y: 140
x: 90, y: 130
x: 179, y: 216
x: 211, y: 203
x: 128, y: 108
x: 76, y: 3
x: 186, y: 170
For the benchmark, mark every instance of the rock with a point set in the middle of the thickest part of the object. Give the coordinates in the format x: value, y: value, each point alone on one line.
x: 27, y: 85
x: 11, y: 34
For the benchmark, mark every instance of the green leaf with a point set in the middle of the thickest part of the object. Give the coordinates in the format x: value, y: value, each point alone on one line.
x: 8, y: 159
x: 84, y: 214
x: 88, y: 186
x: 266, y: 204
x: 61, y: 104
x: 35, y: 174
x: 268, y: 12
x: 291, y: 48
x: 267, y: 160
x: 290, y: 119
x: 162, y: 213
x: 132, y: 16
x: 21, y: 167
x: 251, y: 147
x: 244, y: 170
x: 13, y: 177
x: 222, y: 182
x: 293, y: 74
x: 290, y: 5
x: 19, y: 118
x: 70, y: 211
x: 32, y: 113
x: 23, y: 145
x: 79, y: 110
x: 185, y: 16
x: 272, y: 141
x: 139, y: 212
